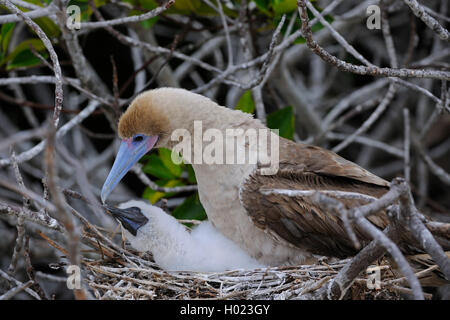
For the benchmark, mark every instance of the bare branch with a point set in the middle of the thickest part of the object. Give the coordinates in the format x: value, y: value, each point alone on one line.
x: 131, y: 19
x: 432, y: 23
x: 362, y: 70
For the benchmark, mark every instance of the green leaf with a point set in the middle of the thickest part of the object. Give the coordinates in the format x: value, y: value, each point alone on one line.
x: 284, y: 6
x: 245, y: 103
x: 25, y: 58
x: 187, y: 5
x: 148, y: 4
x: 48, y: 26
x: 166, y: 158
x: 191, y: 174
x: 197, y: 7
x: 35, y: 2
x: 24, y: 46
x: 153, y: 196
x: 191, y: 208
x: 284, y: 121
x: 156, y: 168
x: 99, y: 3
x: 147, y: 24
x: 5, y: 35
x: 263, y: 6
x: 300, y: 40
x: 22, y: 56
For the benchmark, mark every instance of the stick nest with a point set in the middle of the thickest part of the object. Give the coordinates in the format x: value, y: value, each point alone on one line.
x: 124, y: 274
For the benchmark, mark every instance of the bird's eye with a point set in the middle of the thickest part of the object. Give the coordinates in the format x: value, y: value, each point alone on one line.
x: 138, y: 138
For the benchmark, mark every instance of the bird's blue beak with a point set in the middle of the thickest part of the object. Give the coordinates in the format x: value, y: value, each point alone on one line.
x: 130, y: 151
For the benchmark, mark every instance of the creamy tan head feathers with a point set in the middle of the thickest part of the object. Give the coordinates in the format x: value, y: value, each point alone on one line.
x: 159, y: 112
x: 150, y: 122
x: 143, y: 116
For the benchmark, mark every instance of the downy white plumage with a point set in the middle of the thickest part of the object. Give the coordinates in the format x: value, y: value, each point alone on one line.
x: 174, y: 248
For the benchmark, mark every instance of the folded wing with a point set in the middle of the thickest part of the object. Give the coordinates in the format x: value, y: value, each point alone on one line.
x: 281, y: 204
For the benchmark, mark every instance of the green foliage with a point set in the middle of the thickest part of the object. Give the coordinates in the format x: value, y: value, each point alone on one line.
x: 49, y: 27
x: 274, y: 8
x: 191, y: 174
x: 166, y: 173
x: 283, y: 120
x: 191, y: 208
x: 263, y: 6
x: 25, y: 58
x: 199, y: 8
x: 245, y: 103
x: 22, y: 56
x: 156, y: 167
x: 284, y: 6
x: 5, y: 35
x: 166, y: 158
x: 146, y: 5
x: 153, y: 196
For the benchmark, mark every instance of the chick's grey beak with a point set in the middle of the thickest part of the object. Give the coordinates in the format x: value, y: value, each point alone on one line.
x: 130, y: 218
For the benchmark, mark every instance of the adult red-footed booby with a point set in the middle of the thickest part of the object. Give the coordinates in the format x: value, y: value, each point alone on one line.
x: 273, y: 227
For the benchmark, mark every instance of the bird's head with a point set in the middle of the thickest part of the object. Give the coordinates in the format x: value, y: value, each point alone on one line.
x: 141, y: 222
x: 149, y: 122
x: 140, y: 129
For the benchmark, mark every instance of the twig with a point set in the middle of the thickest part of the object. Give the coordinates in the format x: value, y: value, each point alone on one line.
x: 137, y: 169
x: 63, y: 214
x: 18, y: 283
x: 14, y: 291
x: 407, y: 145
x: 131, y: 19
x: 432, y: 23
x: 332, y: 193
x: 30, y: 270
x: 219, y: 9
x: 437, y: 170
x: 423, y: 235
x: 362, y: 70
x: 38, y: 13
x: 368, y: 123
x: 20, y: 220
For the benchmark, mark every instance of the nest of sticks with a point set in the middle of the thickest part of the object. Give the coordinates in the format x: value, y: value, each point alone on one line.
x: 140, y: 278
x: 117, y: 272
x: 111, y: 270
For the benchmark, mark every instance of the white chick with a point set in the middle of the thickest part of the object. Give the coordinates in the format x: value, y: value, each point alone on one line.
x: 204, y: 249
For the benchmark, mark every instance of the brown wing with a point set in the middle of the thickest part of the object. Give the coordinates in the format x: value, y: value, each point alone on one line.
x: 297, y: 219
x: 308, y: 158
